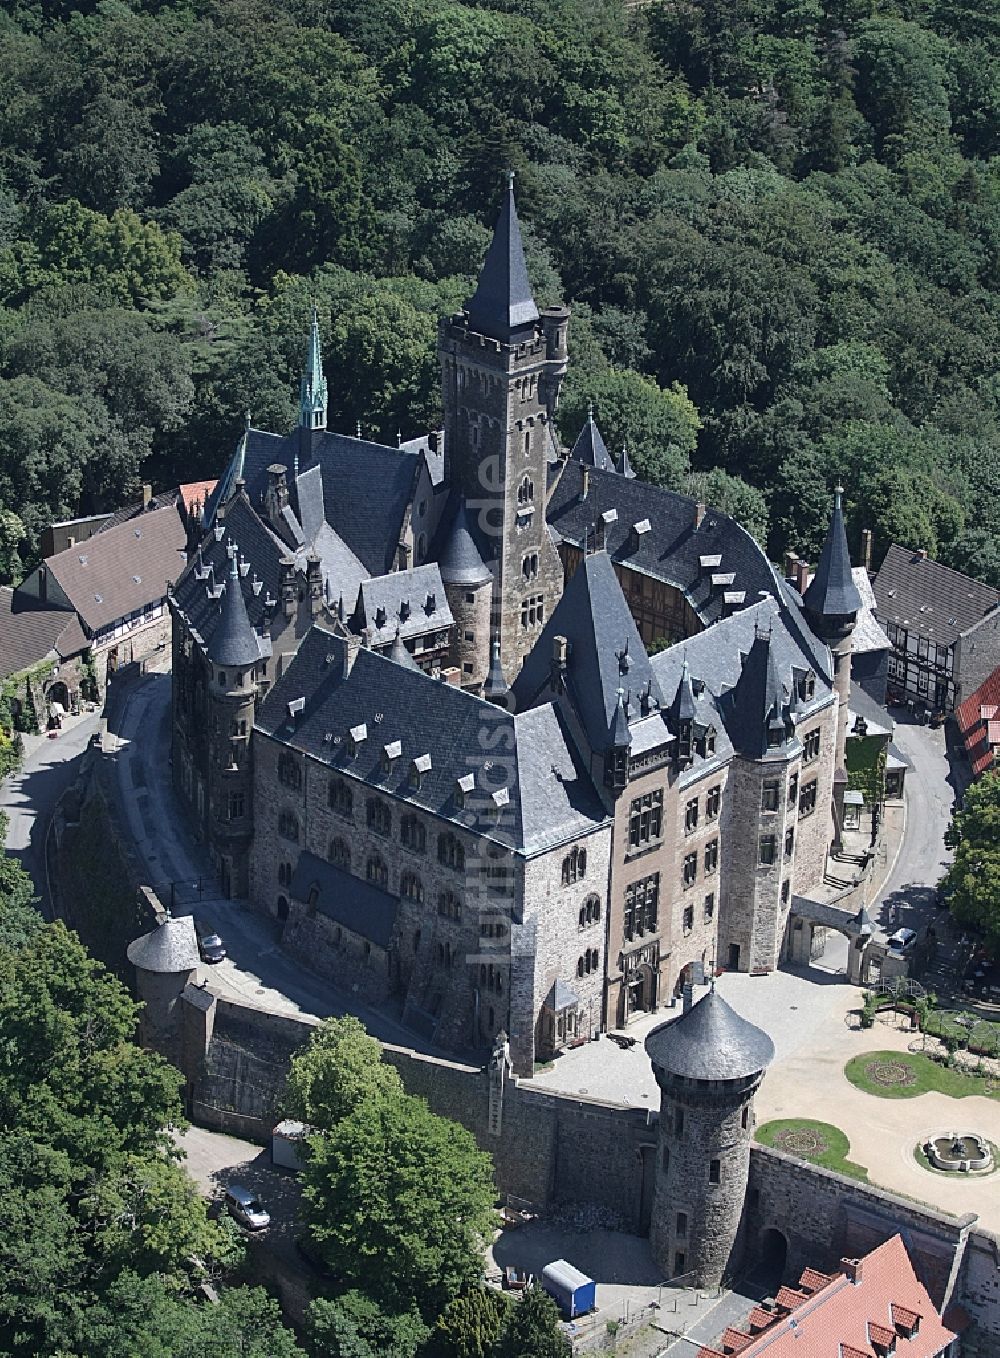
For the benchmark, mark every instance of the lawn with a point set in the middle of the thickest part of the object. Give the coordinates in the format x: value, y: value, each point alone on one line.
x: 818, y: 1142
x: 904, y: 1075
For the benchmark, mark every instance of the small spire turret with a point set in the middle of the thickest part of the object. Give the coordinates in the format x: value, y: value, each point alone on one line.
x: 312, y: 387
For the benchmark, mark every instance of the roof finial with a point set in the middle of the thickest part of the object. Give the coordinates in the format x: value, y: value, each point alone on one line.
x: 246, y: 420
x: 509, y: 175
x: 357, y: 428
x: 590, y: 412
x: 312, y: 386
x: 838, y: 492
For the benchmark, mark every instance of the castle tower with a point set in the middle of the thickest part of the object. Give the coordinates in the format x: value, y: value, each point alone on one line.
x: 233, y: 653
x: 312, y: 393
x: 502, y: 366
x: 165, y: 961
x: 708, y: 1064
x: 468, y: 586
x: 832, y: 603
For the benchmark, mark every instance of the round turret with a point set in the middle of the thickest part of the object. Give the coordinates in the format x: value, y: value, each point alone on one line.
x: 708, y: 1064
x: 165, y: 960
x: 468, y: 585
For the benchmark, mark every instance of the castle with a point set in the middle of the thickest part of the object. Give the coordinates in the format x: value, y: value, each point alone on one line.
x: 417, y: 718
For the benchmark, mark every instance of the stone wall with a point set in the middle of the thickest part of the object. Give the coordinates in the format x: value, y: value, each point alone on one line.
x: 814, y: 832
x: 825, y: 1217
x: 977, y: 654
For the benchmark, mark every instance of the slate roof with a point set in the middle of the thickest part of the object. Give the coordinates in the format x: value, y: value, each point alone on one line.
x: 832, y: 591
x: 399, y: 655
x: 978, y: 719
x: 560, y: 996
x: 30, y: 632
x: 867, y: 635
x: 672, y: 550
x: 366, y: 486
x: 402, y: 599
x: 606, y: 652
x: 927, y: 598
x: 590, y: 448
x: 234, y: 642
x: 260, y: 551
x: 710, y: 1042
x: 860, y: 704
x: 169, y: 948
x: 460, y: 562
x: 348, y: 900
x: 502, y: 305
x: 715, y: 659
x: 759, y: 703
x: 546, y: 799
x: 122, y: 569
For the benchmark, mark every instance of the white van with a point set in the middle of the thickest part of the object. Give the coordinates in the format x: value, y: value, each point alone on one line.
x: 246, y: 1208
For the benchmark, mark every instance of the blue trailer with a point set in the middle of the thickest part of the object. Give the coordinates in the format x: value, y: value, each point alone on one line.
x: 572, y: 1291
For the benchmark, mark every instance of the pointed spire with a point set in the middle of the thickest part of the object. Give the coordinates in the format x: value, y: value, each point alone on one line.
x: 312, y: 387
x: 495, y: 688
x: 683, y: 709
x: 401, y: 655
x: 757, y: 706
x: 627, y: 469
x: 832, y: 592
x: 234, y: 642
x: 502, y: 307
x: 590, y: 448
x: 621, y: 736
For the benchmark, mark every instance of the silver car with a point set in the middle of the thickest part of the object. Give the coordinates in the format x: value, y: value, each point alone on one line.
x: 246, y: 1208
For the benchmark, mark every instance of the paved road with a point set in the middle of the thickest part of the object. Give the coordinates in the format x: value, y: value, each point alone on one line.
x: 29, y: 796
x: 181, y: 871
x: 931, y: 787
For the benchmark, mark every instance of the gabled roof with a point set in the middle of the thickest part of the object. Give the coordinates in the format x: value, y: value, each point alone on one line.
x: 832, y: 591
x: 547, y: 799
x: 30, y: 632
x: 411, y: 602
x: 674, y: 548
x: 885, y: 1301
x: 590, y: 448
x: 710, y: 1042
x: 927, y: 598
x: 867, y: 635
x: 399, y: 655
x: 978, y: 719
x: 502, y: 305
x: 606, y: 652
x: 122, y: 569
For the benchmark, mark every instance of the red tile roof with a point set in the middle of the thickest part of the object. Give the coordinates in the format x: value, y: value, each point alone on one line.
x: 735, y: 1341
x: 842, y: 1319
x: 196, y: 492
x: 812, y: 1280
x: 978, y: 724
x: 880, y: 1336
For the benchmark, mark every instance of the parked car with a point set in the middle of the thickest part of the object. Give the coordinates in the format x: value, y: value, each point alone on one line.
x: 212, y: 948
x: 246, y: 1208
x: 903, y: 939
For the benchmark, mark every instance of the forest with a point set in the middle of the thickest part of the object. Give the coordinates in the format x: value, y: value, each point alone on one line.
x: 776, y: 221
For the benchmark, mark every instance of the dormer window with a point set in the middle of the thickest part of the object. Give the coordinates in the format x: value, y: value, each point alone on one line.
x: 420, y: 767
x: 380, y: 617
x: 390, y: 753
x: 430, y: 603
x: 355, y: 739
x: 807, y: 686
x: 464, y: 788
x: 710, y: 740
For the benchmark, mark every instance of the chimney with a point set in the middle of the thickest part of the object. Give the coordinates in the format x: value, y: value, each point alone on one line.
x: 314, y: 578
x: 921, y: 554
x: 852, y: 1268
x: 802, y: 575
x: 791, y: 562
x: 699, y: 514
x: 147, y: 494
x: 288, y: 588
x: 866, y: 548
x: 585, y: 483
x: 560, y: 653
x: 277, y: 492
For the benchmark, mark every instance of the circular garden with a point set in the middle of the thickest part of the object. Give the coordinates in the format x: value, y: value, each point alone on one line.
x: 818, y: 1142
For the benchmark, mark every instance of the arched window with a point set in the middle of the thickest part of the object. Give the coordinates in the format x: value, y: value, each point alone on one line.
x: 340, y: 853
x: 574, y: 866
x: 313, y: 899
x: 288, y: 826
x: 411, y: 887
x: 284, y: 874
x: 593, y: 909
x: 376, y: 871
x: 289, y: 771
x: 451, y: 852
x: 379, y: 816
x: 449, y: 905
x: 413, y: 833
x: 341, y: 798
x: 526, y: 491
x: 580, y: 966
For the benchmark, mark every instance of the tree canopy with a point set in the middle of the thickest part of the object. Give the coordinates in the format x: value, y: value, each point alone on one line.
x: 973, y: 880
x: 777, y: 226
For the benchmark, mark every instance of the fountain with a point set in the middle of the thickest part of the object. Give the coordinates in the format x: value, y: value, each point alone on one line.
x: 964, y: 1153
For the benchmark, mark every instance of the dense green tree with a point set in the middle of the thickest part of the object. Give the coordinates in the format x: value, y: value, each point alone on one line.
x: 470, y: 1325
x: 398, y: 1202
x: 338, y: 1070
x: 733, y: 496
x: 533, y: 1330
x: 355, y: 1326
x: 973, y: 880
